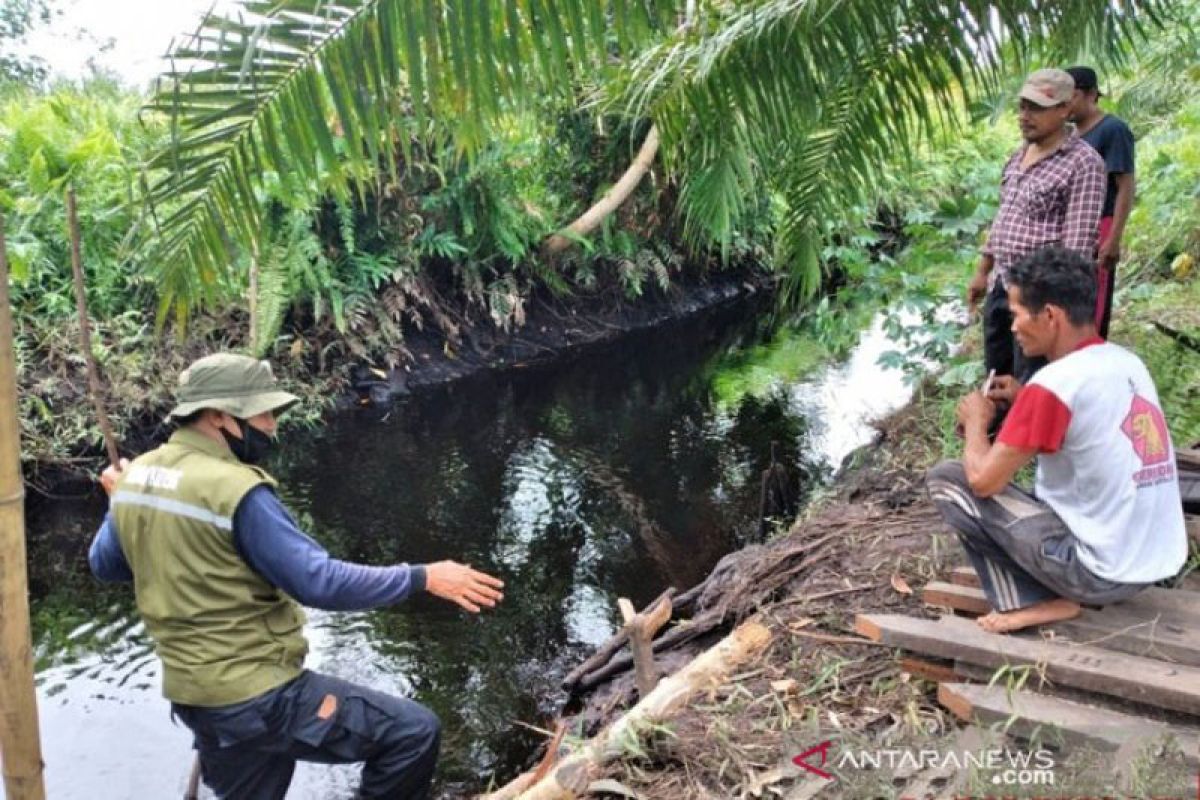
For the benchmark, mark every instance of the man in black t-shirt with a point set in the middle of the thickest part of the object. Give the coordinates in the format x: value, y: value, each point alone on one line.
x: 1110, y: 137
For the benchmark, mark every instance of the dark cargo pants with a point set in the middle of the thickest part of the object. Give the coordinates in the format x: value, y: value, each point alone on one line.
x: 1021, y: 550
x: 248, y: 751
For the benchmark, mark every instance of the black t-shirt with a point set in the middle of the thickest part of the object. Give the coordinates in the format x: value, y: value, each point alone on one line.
x: 1113, y: 140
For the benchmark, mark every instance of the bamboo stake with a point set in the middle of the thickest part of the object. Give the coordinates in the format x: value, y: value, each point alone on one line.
x: 96, y: 389
x: 20, y: 740
x: 85, y: 334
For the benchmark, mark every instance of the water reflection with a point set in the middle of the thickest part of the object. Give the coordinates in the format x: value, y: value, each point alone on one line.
x: 616, y: 475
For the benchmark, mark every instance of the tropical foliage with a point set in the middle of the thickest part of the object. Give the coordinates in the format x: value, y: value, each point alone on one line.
x: 430, y: 215
x: 808, y: 95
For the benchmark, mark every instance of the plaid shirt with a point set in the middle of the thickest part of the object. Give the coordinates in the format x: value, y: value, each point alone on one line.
x: 1056, y: 201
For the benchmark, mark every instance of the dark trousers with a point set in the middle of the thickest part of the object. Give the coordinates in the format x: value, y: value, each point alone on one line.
x: 1000, y: 350
x: 1021, y: 550
x: 1106, y: 282
x: 248, y: 751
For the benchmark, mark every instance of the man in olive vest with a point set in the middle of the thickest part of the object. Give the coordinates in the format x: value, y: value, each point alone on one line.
x: 220, y: 570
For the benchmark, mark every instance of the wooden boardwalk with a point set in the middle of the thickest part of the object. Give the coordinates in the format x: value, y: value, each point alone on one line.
x: 1111, y: 680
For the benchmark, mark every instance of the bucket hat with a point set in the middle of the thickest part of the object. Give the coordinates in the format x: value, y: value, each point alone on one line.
x: 236, y: 384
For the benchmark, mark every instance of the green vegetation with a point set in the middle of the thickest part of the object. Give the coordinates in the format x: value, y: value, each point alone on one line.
x: 260, y: 202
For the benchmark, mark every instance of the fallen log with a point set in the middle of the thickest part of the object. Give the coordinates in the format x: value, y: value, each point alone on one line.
x: 572, y: 775
x: 723, y: 598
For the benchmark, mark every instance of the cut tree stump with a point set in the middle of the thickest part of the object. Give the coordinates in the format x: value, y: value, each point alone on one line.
x: 968, y: 599
x: 1142, y: 680
x: 1027, y: 714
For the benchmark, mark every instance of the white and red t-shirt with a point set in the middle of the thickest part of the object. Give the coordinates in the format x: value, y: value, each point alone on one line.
x: 1105, y: 461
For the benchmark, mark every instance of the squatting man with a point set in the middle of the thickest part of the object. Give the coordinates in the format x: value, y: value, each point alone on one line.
x: 1105, y: 519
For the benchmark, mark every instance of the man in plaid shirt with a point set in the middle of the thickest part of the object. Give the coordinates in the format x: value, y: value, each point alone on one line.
x: 1051, y: 193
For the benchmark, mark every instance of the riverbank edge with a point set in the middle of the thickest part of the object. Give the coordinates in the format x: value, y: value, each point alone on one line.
x: 554, y: 331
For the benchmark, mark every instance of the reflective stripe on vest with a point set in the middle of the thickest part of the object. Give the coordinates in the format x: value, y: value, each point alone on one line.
x: 176, y: 507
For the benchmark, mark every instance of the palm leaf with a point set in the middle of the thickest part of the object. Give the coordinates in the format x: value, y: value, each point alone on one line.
x: 818, y: 95
x: 274, y: 87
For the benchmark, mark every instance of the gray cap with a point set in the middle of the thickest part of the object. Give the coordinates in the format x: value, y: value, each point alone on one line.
x: 238, y: 385
x: 1048, y: 87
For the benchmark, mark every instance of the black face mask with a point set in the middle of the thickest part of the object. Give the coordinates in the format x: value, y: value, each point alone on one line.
x: 254, y: 445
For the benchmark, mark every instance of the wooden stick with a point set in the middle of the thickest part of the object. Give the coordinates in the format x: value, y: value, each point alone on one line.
x: 20, y: 740
x: 640, y: 629
x: 85, y: 334
x: 192, y: 792
x: 607, y: 650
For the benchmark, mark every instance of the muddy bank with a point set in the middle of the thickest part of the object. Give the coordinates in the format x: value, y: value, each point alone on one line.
x: 62, y: 450
x: 554, y: 330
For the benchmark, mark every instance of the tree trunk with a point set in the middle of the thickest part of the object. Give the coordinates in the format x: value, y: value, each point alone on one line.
x: 20, y: 741
x: 612, y: 200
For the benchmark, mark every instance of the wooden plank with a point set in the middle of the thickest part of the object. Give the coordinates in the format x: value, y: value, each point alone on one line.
x: 1156, y: 600
x: 1165, y: 635
x: 964, y: 576
x: 1191, y: 524
x: 1143, y: 680
x: 932, y: 671
x: 1188, y: 458
x: 960, y: 598
x: 1077, y: 724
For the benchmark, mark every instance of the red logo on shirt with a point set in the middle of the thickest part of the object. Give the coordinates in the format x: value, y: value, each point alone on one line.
x: 1146, y: 428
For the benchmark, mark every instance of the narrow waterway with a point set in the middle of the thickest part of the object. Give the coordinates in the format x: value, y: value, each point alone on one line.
x: 618, y: 473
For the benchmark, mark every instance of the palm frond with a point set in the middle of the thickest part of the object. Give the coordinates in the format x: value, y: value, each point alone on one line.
x: 325, y: 89
x: 819, y: 94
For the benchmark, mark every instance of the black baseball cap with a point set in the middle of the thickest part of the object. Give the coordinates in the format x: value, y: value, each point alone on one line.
x: 1085, y: 79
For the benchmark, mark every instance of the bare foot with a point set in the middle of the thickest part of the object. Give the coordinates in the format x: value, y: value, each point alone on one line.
x: 1042, y: 613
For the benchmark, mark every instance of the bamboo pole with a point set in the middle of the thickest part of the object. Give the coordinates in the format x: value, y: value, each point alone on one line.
x: 85, y: 334
x: 20, y: 740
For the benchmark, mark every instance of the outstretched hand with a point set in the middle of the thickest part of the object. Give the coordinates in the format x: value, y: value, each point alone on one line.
x: 111, y: 474
x: 461, y: 584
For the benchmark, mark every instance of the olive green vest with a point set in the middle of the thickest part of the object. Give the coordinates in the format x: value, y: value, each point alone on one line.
x: 223, y: 633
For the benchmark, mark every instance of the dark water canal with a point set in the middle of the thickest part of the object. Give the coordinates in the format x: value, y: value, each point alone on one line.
x: 618, y: 473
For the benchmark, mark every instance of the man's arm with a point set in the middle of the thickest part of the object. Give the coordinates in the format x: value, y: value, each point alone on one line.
x: 1085, y: 201
x: 977, y: 287
x: 105, y: 556
x: 269, y: 541
x: 991, y: 467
